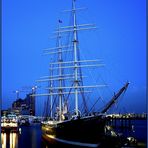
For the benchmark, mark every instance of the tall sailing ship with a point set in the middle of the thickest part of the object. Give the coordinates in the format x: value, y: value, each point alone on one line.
x: 69, y: 119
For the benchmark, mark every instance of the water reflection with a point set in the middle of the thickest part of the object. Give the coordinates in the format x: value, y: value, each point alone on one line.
x: 27, y: 137
x: 9, y: 140
x: 13, y: 140
x: 3, y: 136
x: 31, y: 137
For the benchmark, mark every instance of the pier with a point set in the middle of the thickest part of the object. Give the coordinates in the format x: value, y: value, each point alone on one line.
x: 130, y: 125
x: 124, y: 120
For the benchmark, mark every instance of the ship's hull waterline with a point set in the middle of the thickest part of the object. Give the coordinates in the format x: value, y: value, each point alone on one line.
x: 82, y: 132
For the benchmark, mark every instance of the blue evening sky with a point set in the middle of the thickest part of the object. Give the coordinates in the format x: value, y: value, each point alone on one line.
x: 120, y: 40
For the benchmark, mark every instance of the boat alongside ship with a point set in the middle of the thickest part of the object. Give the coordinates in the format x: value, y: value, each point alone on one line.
x: 76, y: 125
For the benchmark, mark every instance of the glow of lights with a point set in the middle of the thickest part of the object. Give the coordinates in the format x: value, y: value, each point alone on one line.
x: 12, y: 140
x: 3, y: 140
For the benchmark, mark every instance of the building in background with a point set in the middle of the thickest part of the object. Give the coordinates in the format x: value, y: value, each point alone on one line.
x: 24, y: 106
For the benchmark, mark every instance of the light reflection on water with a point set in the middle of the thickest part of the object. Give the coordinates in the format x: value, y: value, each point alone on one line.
x: 27, y: 137
x: 31, y: 137
x: 9, y: 140
x: 3, y: 136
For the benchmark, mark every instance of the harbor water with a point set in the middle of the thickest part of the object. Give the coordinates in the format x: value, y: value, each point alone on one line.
x: 31, y: 136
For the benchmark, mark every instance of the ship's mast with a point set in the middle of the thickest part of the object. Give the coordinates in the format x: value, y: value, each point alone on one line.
x: 75, y: 42
x: 51, y: 91
x: 60, y: 70
x: 76, y: 64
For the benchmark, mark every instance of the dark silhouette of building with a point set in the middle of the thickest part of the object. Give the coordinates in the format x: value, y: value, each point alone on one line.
x: 25, y: 106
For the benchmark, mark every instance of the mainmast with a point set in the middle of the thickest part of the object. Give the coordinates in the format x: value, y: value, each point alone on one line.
x: 60, y: 70
x: 75, y: 42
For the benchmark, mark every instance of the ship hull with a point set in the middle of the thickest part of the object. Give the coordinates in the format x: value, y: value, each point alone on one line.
x: 81, y: 132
